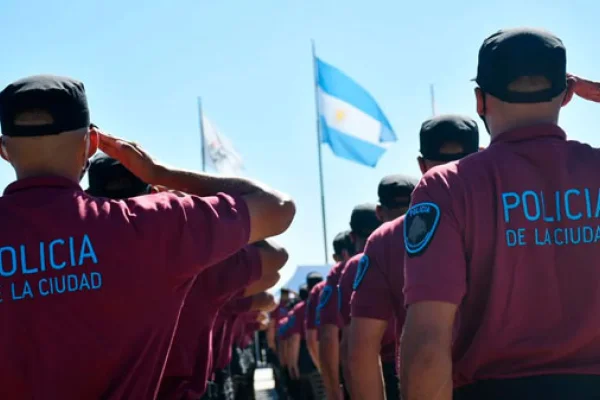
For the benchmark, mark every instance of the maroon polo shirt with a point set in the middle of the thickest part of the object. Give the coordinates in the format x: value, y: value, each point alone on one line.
x: 225, y: 329
x: 310, y: 320
x: 378, y: 289
x: 510, y: 235
x: 296, y: 320
x: 189, y: 363
x: 277, y: 314
x: 345, y: 285
x: 92, y: 287
x: 327, y: 310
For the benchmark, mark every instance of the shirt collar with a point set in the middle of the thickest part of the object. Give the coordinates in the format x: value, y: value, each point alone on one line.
x: 41, y: 182
x: 531, y: 132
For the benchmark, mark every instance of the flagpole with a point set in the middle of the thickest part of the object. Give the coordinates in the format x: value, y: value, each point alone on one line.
x: 318, y: 122
x: 202, y: 141
x: 432, y: 100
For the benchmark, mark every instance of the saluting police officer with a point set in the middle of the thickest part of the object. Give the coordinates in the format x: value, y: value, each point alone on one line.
x: 92, y: 287
x: 503, y: 265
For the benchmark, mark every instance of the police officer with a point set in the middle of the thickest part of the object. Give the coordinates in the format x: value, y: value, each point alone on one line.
x: 363, y: 221
x: 251, y: 270
x: 377, y: 304
x: 88, y: 265
x: 502, y: 267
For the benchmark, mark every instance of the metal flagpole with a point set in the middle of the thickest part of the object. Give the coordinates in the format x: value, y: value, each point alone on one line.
x: 202, y: 141
x: 432, y: 100
x: 323, y: 218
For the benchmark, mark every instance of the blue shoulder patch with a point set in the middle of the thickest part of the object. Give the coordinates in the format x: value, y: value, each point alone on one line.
x: 363, y: 266
x: 325, y: 296
x: 420, y: 224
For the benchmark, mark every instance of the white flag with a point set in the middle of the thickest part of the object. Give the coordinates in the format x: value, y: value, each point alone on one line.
x: 219, y: 152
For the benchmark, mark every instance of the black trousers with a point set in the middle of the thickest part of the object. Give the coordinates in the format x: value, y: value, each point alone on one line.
x: 391, y: 381
x: 543, y: 387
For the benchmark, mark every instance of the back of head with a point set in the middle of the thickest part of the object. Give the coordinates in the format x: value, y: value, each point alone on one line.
x: 303, y: 292
x: 45, y: 125
x: 312, y: 279
x: 364, y: 220
x: 522, y: 78
x: 394, y: 192
x: 109, y: 178
x: 342, y: 243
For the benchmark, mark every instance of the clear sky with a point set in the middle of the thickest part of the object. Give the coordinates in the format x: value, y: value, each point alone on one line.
x: 145, y: 62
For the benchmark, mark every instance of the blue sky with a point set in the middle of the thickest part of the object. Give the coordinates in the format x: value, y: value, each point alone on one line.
x: 145, y: 62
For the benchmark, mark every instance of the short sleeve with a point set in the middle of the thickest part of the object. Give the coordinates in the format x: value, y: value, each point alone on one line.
x: 311, y: 309
x: 345, y: 288
x: 372, y: 297
x: 237, y: 272
x: 327, y: 310
x: 237, y: 306
x: 435, y: 263
x: 193, y: 232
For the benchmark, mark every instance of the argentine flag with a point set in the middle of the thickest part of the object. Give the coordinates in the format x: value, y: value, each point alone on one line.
x: 351, y: 122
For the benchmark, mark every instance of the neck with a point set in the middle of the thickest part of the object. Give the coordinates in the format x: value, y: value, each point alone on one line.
x: 509, y: 124
x: 32, y: 172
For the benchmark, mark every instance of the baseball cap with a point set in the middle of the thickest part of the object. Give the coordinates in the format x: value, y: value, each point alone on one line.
x: 61, y: 99
x: 513, y: 53
x: 443, y: 129
x: 363, y: 220
x: 312, y: 279
x: 303, y: 292
x: 107, y: 177
x: 394, y: 190
x: 341, y: 242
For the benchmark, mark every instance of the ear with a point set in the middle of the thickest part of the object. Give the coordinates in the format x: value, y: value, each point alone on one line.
x: 3, y: 152
x: 479, y: 99
x: 569, y: 92
x: 379, y: 212
x: 422, y: 165
x: 94, y: 139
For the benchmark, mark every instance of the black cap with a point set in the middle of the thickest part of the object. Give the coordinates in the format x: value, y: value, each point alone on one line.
x: 443, y: 129
x: 363, y: 220
x: 62, y: 99
x: 513, y: 53
x: 303, y: 292
x: 312, y: 279
x: 341, y: 242
x: 109, y: 178
x: 394, y: 190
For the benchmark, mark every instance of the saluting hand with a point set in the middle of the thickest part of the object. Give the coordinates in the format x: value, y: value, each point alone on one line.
x: 131, y: 155
x: 586, y: 89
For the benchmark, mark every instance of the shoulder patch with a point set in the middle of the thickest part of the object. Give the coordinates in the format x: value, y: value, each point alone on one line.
x: 325, y: 296
x: 420, y: 224
x: 363, y: 265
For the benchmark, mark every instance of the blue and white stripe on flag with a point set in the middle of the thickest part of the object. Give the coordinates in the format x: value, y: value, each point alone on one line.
x: 351, y: 122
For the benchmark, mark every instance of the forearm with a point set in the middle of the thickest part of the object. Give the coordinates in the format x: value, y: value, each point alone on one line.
x: 271, y: 335
x: 313, y: 347
x: 202, y: 184
x: 294, y: 349
x: 329, y: 356
x: 426, y: 372
x: 366, y: 378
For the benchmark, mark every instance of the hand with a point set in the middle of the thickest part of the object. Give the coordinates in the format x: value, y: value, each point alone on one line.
x: 163, y: 189
x: 131, y: 155
x: 585, y: 89
x: 263, y: 302
x: 294, y: 372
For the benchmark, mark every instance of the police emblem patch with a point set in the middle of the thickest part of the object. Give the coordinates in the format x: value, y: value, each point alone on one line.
x: 363, y: 265
x: 325, y: 296
x: 420, y: 224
